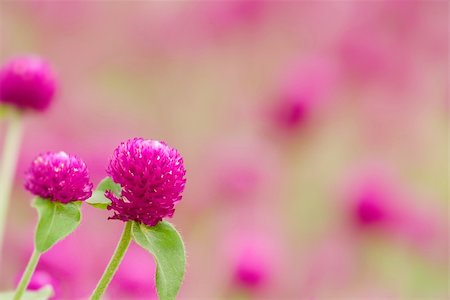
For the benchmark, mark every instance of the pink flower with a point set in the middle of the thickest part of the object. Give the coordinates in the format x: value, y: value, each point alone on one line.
x: 252, y: 258
x: 152, y: 177
x: 27, y: 82
x: 305, y: 86
x: 370, y: 207
x: 250, y: 268
x: 375, y: 200
x: 59, y: 177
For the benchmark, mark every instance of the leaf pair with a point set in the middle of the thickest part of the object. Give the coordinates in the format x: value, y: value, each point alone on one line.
x: 162, y: 241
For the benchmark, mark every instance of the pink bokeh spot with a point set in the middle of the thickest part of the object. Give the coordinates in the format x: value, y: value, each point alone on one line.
x: 305, y: 87
x: 369, y: 209
x: 374, y: 198
x: 251, y: 270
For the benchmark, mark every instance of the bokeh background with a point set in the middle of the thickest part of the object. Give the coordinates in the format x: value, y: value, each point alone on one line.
x: 314, y: 135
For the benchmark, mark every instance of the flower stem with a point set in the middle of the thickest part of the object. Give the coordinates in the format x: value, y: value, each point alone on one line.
x: 8, y: 163
x: 26, y: 277
x: 113, y: 263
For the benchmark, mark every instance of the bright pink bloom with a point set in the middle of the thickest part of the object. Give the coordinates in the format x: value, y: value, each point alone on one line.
x: 152, y: 177
x: 27, y: 82
x: 59, y: 177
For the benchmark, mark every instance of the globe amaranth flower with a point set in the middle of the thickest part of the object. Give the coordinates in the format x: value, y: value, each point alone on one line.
x: 27, y: 82
x: 59, y: 177
x: 152, y: 177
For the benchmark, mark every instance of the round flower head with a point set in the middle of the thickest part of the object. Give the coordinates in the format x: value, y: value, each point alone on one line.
x: 27, y: 82
x: 152, y: 177
x: 59, y: 177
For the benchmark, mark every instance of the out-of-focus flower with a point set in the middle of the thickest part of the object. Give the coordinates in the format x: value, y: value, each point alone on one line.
x: 250, y: 268
x: 39, y: 280
x: 152, y: 177
x: 252, y: 258
x: 27, y: 82
x: 305, y: 87
x: 371, y: 198
x: 59, y: 177
x: 370, y: 207
x: 375, y: 200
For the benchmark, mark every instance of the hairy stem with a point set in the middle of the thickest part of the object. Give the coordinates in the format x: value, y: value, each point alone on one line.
x: 114, y: 263
x: 26, y: 277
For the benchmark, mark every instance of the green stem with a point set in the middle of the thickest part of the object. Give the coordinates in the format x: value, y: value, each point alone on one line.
x: 8, y: 163
x: 26, y: 277
x: 113, y: 263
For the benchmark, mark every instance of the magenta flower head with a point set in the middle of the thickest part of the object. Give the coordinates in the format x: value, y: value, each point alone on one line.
x: 27, y: 82
x: 59, y: 177
x: 152, y: 177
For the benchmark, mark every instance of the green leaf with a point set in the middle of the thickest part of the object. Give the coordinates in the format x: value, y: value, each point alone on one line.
x: 56, y: 221
x: 165, y: 244
x: 44, y: 293
x: 98, y: 198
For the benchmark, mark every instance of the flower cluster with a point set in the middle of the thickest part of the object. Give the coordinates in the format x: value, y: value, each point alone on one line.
x: 59, y: 177
x: 27, y: 83
x: 152, y: 177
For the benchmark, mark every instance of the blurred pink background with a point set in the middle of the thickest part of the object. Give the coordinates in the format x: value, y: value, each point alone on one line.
x: 314, y: 135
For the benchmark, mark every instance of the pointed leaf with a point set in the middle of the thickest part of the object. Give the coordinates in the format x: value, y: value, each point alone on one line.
x: 98, y: 198
x: 165, y: 244
x: 44, y: 293
x: 56, y: 221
